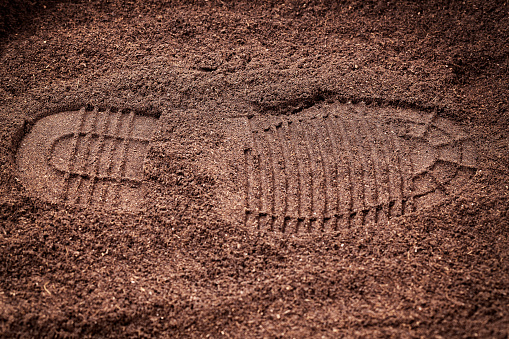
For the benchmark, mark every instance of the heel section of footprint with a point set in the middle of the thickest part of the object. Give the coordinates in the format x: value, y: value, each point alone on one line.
x: 87, y: 157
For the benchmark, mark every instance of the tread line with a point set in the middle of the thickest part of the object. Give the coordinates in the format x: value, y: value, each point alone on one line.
x: 325, y: 168
x: 267, y: 178
x: 113, y: 149
x: 368, y: 143
x: 301, y: 173
x: 387, y: 177
x: 252, y: 187
x: 263, y: 171
x: 72, y: 158
x: 371, y: 199
x: 247, y: 205
x: 360, y: 163
x: 96, y: 161
x: 344, y: 145
x: 276, y: 176
x: 356, y: 166
x: 312, y: 172
x: 395, y: 187
x: 123, y: 157
x: 272, y: 176
x: 245, y: 155
x: 406, y: 183
x: 398, y: 158
x: 286, y: 169
x: 88, y: 144
x: 297, y: 169
x: 335, y: 147
x: 257, y: 155
x: 379, y: 167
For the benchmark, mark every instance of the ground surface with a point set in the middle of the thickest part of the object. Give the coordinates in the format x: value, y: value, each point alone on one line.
x: 227, y: 128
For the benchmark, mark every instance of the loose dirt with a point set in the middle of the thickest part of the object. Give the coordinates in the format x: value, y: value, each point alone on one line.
x: 243, y: 169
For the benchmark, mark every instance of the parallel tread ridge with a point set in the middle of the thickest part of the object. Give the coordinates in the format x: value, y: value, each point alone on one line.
x: 272, y: 167
x: 258, y: 161
x: 276, y: 176
x: 407, y: 188
x: 96, y: 160
x: 109, y: 166
x: 311, y: 173
x: 266, y: 175
x: 247, y: 170
x: 286, y: 167
x: 381, y: 168
x: 123, y: 157
x: 369, y: 165
x: 359, y: 163
x: 88, y: 144
x: 295, y: 173
x: 251, y: 203
x: 258, y: 181
x: 292, y: 131
x: 335, y: 147
x: 345, y: 145
x: 370, y: 177
x: 395, y: 179
x: 321, y: 140
x: 72, y: 158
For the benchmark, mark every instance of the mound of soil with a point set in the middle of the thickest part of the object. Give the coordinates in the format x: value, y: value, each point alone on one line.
x: 254, y: 169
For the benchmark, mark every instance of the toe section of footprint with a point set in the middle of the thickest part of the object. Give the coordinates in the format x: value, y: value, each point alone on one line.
x: 344, y: 164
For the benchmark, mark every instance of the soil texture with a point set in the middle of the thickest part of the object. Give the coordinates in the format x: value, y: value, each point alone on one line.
x: 278, y: 169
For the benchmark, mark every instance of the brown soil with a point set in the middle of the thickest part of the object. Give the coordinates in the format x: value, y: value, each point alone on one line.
x: 240, y: 169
